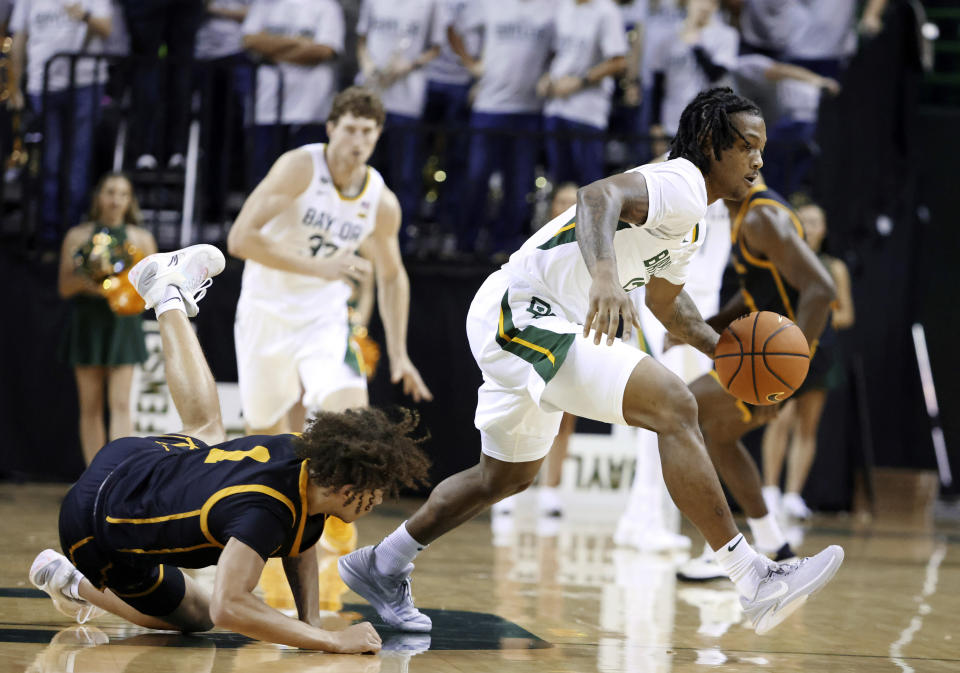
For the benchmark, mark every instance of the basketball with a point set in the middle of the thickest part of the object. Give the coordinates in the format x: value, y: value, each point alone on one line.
x: 762, y: 358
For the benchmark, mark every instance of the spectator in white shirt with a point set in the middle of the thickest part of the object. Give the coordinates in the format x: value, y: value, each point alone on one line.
x: 304, y: 38
x: 64, y: 93
x: 395, y: 40
x: 590, y: 47
x: 695, y: 54
x: 506, y: 116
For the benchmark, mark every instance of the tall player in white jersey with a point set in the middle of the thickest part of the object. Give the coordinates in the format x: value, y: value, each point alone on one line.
x: 302, y: 232
x: 529, y: 330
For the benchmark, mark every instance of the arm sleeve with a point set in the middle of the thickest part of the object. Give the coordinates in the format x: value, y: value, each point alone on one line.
x: 331, y: 29
x: 260, y: 522
x: 613, y: 34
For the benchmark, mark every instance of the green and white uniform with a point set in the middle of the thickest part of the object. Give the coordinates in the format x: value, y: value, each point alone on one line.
x: 524, y: 324
x: 291, y: 330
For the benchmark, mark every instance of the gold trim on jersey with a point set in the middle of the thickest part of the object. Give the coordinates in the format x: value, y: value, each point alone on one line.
x: 174, y: 550
x: 75, y: 546
x: 363, y: 189
x: 190, y: 444
x: 304, y: 480
x: 103, y: 575
x: 139, y: 594
x: 234, y: 490
x: 568, y: 227
x: 750, y: 258
x: 524, y: 342
x: 156, y: 519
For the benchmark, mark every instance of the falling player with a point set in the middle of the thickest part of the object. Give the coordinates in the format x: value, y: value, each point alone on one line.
x: 148, y: 506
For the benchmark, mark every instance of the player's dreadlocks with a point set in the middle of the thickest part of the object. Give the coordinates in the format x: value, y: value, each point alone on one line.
x: 366, y: 448
x: 707, y: 117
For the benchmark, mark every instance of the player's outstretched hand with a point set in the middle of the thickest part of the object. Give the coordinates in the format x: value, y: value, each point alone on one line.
x: 608, y: 304
x: 357, y: 639
x: 403, y: 370
x: 349, y: 267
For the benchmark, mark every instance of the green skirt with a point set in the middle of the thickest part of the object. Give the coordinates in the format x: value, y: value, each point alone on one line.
x: 97, y: 336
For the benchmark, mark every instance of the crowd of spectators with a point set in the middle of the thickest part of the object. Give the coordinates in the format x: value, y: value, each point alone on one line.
x: 487, y: 100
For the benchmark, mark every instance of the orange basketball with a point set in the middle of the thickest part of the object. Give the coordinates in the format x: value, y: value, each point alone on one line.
x: 762, y: 358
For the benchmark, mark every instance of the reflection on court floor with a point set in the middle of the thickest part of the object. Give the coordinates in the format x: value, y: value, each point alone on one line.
x: 528, y: 594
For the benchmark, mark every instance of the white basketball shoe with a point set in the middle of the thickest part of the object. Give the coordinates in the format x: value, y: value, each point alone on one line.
x: 190, y: 270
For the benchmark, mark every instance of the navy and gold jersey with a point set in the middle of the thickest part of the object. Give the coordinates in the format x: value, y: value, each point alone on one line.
x: 177, y: 501
x: 761, y: 285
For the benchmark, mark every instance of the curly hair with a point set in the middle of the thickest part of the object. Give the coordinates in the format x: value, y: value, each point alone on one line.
x: 707, y: 117
x: 367, y: 449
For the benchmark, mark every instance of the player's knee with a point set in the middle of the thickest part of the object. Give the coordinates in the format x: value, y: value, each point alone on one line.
x: 680, y: 412
x: 677, y: 412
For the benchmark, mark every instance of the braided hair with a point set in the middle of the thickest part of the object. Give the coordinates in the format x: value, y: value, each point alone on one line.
x: 707, y: 117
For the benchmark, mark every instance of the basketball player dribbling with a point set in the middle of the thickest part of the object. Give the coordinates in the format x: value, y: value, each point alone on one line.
x: 777, y: 272
x: 529, y: 329
x: 302, y: 232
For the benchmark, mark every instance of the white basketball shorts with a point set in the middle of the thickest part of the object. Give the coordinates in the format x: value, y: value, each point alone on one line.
x: 277, y: 358
x: 536, y: 364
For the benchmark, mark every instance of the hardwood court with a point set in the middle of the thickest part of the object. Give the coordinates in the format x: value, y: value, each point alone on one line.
x: 547, y: 597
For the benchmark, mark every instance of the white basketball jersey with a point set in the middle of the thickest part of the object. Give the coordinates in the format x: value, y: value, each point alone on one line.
x: 551, y: 262
x: 320, y: 223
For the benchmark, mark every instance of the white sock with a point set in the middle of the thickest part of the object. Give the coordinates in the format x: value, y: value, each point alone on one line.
x: 738, y: 560
x: 396, y: 551
x: 766, y: 533
x: 172, y: 300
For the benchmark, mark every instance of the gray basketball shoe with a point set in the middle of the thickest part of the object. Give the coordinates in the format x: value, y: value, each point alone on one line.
x: 787, y: 586
x: 189, y: 269
x: 389, y: 594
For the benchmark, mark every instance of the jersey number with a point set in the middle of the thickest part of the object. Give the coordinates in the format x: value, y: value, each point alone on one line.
x: 258, y: 453
x: 318, y: 243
